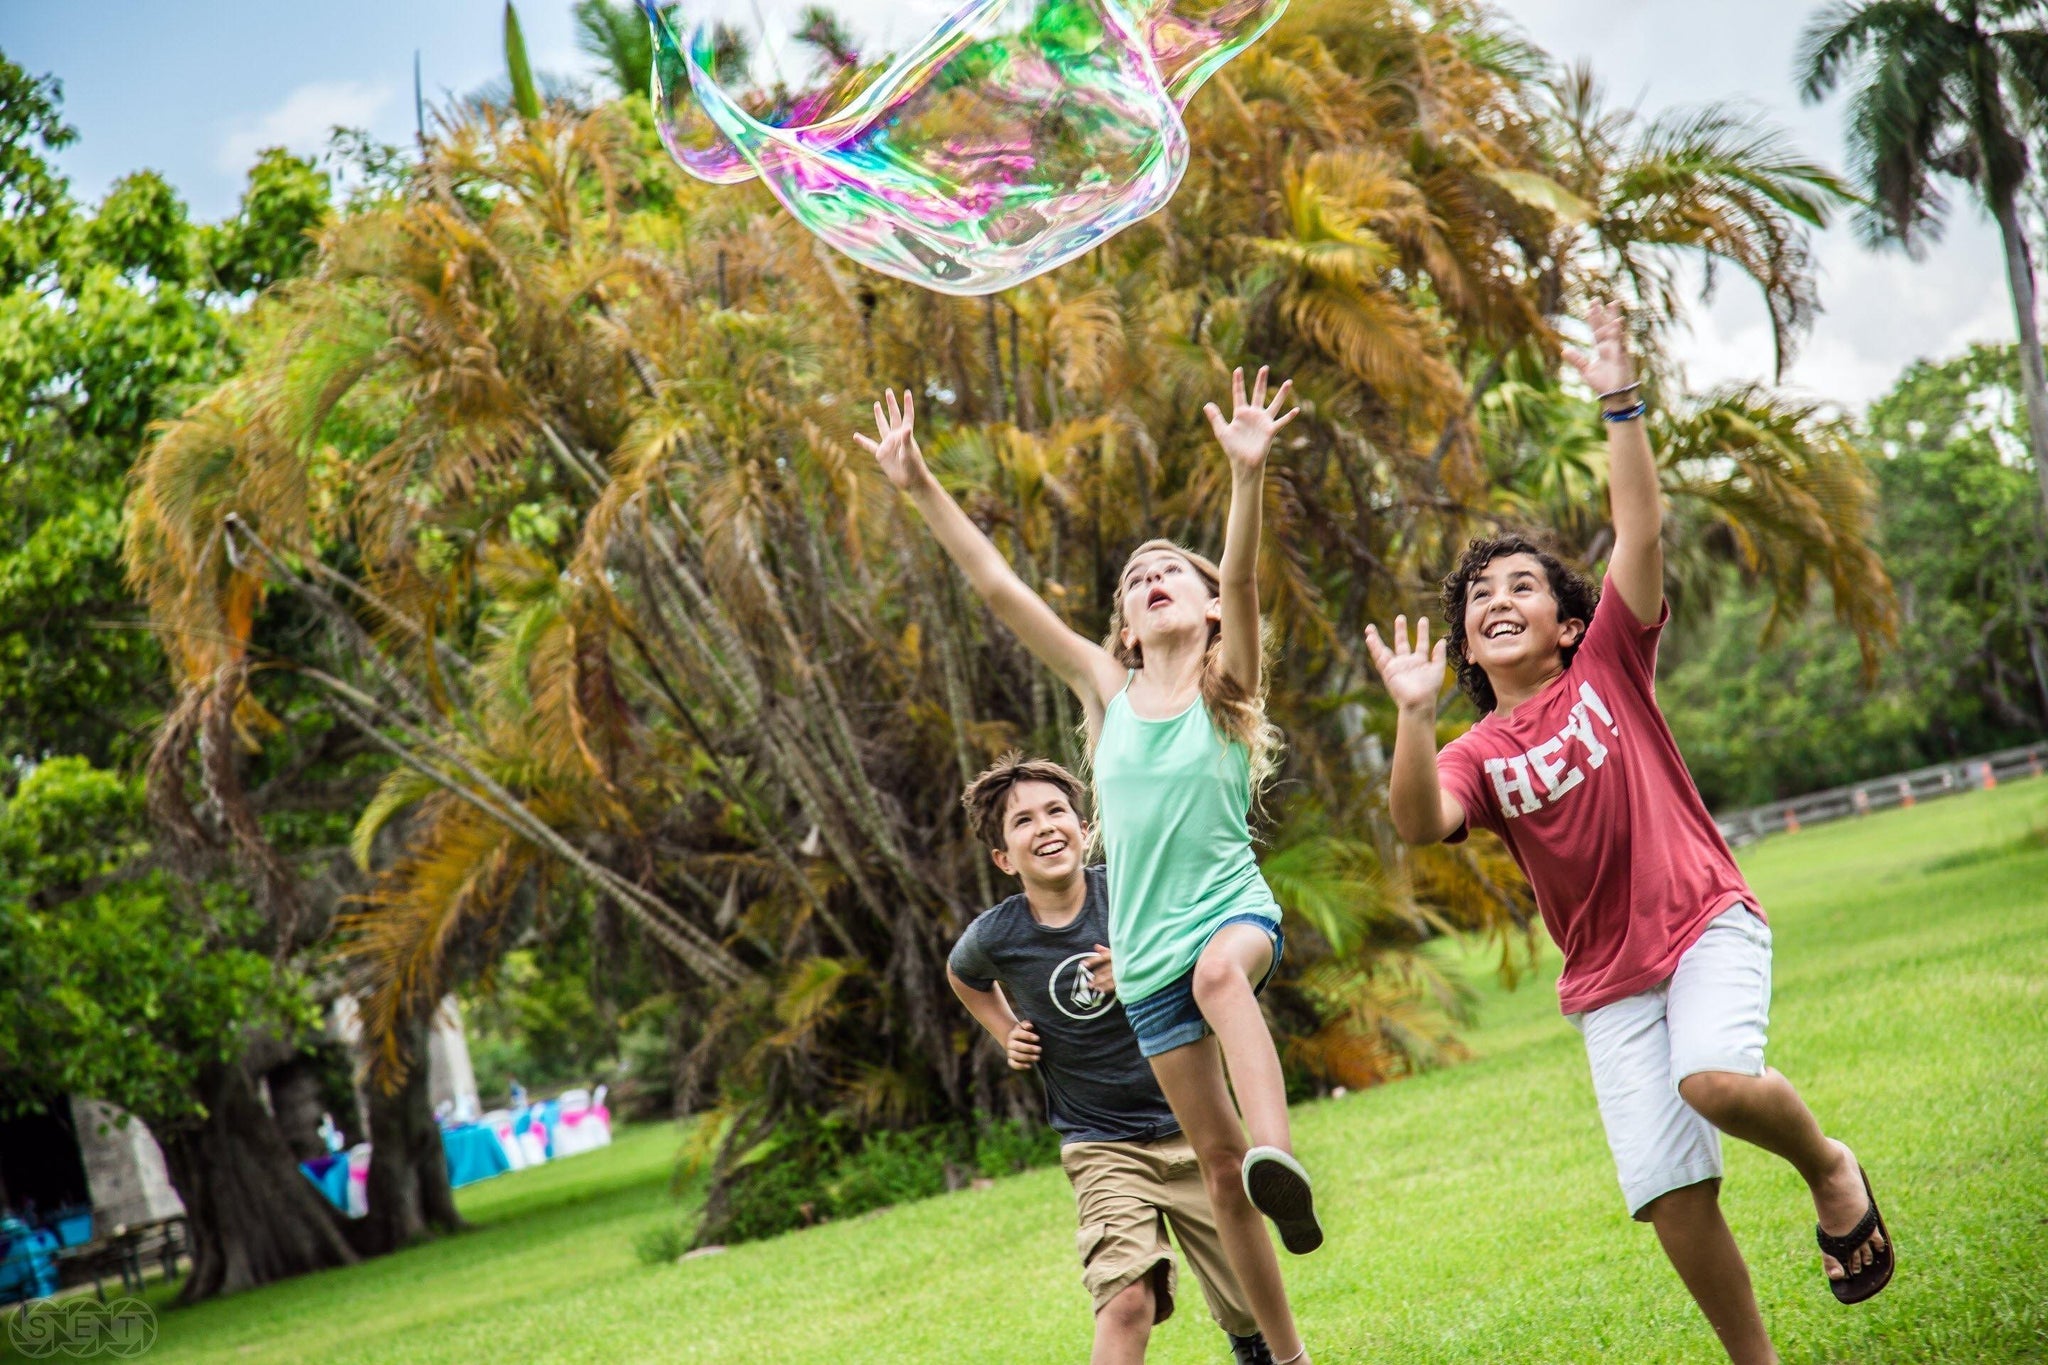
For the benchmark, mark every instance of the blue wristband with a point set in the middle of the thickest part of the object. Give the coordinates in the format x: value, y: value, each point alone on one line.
x: 1625, y: 414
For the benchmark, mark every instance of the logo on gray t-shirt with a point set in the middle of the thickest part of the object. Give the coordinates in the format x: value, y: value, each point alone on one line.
x: 1098, y: 1086
x: 1072, y: 988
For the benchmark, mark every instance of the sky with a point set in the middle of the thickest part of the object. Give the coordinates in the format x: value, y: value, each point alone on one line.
x: 193, y: 88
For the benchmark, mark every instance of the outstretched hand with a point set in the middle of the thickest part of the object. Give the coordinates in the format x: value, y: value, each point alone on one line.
x: 1414, y: 677
x: 1249, y: 433
x: 1609, y: 367
x: 895, y: 441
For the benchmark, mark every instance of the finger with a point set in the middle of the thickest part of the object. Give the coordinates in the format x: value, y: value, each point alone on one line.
x: 873, y: 446
x: 1259, y: 389
x: 1216, y: 422
x: 1400, y: 634
x: 909, y: 408
x: 895, y: 410
x: 1436, y: 656
x: 1422, y: 635
x: 1578, y: 361
x: 1280, y: 397
x: 1377, y: 648
x: 1285, y: 418
x: 881, y: 422
x: 1236, y: 389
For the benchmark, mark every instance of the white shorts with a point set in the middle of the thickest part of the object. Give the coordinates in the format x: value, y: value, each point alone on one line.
x: 1709, y: 1015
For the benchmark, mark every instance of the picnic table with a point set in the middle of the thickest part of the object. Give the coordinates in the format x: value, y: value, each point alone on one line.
x: 121, y: 1251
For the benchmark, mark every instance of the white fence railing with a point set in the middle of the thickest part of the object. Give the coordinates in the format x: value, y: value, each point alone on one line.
x: 1880, y: 793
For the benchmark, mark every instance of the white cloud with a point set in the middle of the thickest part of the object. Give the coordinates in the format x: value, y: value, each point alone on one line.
x: 1880, y: 312
x: 303, y: 121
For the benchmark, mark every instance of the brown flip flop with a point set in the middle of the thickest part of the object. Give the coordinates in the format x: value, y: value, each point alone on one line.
x: 1865, y: 1283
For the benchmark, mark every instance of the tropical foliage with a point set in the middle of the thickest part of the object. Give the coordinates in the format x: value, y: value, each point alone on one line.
x: 540, y: 482
x: 1957, y: 525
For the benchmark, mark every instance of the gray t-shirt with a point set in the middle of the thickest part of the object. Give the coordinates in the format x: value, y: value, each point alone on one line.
x: 1098, y: 1086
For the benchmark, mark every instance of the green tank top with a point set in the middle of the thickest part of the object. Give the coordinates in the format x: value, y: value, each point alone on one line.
x: 1173, y: 799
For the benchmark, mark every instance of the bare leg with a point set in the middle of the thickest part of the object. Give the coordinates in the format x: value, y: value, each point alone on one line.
x: 1236, y: 957
x: 1703, y: 1251
x: 1192, y: 1078
x: 1124, y: 1325
x: 1767, y: 1111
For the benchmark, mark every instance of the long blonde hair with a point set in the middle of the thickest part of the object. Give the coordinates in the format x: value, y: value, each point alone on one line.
x: 1239, y: 714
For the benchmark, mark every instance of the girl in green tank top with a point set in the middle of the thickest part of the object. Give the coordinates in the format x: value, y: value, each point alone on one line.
x: 1177, y: 728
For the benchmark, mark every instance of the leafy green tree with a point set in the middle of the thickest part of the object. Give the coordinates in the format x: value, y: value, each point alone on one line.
x: 1954, y: 88
x: 127, y: 982
x: 110, y: 319
x: 34, y: 198
x: 1957, y: 523
x: 106, y: 319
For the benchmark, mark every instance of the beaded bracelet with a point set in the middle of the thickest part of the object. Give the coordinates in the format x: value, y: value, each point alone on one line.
x: 1625, y: 414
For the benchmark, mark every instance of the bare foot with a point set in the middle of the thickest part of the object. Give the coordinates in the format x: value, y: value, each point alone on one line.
x: 1841, y: 1201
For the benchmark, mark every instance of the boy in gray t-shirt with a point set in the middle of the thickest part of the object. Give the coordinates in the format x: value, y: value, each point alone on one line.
x: 1132, y: 1171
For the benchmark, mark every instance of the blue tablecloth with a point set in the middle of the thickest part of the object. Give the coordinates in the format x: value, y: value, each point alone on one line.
x: 473, y: 1154
x: 330, y: 1173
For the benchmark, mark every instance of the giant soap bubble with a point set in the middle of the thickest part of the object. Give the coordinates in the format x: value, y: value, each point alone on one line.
x: 1008, y: 139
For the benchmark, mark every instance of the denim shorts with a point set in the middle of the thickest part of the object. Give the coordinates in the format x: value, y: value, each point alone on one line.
x: 1169, y: 1018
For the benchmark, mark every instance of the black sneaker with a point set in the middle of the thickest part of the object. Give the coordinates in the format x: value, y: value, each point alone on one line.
x: 1278, y: 1187
x: 1251, y: 1350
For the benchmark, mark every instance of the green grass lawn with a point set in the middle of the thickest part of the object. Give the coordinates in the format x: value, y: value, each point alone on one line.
x: 1473, y: 1214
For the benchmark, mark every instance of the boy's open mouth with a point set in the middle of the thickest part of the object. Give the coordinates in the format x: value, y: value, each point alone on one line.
x: 1051, y: 847
x: 1501, y: 629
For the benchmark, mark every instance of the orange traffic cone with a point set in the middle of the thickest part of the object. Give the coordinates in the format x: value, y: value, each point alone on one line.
x: 1990, y: 778
x: 1791, y: 821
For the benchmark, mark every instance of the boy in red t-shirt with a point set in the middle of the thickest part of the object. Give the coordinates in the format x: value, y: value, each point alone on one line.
x: 1667, y: 963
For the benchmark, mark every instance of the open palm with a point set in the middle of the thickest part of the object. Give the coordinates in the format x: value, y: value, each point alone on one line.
x: 1608, y: 369
x: 895, y: 441
x: 1249, y: 433
x: 1414, y: 677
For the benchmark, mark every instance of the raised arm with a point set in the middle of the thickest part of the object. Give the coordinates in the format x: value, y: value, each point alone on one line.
x: 1423, y: 812
x: 1637, y: 565
x: 1080, y: 663
x: 1245, y: 439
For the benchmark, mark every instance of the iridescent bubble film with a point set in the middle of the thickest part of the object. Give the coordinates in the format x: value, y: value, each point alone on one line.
x: 1013, y: 137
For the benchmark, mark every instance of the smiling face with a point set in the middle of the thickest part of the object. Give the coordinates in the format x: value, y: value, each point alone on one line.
x: 1162, y: 594
x: 1511, y: 618
x: 1044, y: 837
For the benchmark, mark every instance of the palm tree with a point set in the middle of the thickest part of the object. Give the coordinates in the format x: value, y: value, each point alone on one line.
x: 1712, y: 185
x: 1955, y: 88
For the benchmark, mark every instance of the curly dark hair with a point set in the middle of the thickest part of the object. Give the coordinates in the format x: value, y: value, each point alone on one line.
x: 1575, y: 593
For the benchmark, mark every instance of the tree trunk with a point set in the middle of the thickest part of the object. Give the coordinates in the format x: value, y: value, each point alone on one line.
x: 995, y: 359
x: 2019, y: 272
x: 253, y: 1216
x: 409, y: 1195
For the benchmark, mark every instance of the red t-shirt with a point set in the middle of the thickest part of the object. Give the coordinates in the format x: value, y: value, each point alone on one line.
x: 1586, y: 787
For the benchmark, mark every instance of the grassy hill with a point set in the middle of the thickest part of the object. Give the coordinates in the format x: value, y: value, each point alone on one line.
x: 1473, y: 1213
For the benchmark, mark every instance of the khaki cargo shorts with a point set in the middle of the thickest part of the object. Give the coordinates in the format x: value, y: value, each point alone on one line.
x: 1128, y: 1193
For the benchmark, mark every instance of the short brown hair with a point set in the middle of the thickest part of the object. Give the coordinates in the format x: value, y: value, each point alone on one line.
x: 988, y: 796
